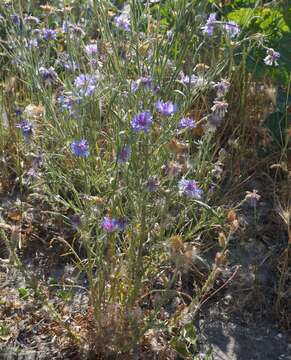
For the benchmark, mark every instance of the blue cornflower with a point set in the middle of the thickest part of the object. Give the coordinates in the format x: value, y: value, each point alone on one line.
x: 187, y: 123
x: 16, y: 19
x: 112, y: 224
x: 80, y: 148
x: 166, y: 108
x: 121, y: 223
x: 146, y: 82
x: 272, y: 57
x: 123, y: 154
x: 86, y: 84
x: 109, y: 224
x: 33, y: 43
x: 208, y: 28
x: 48, y: 75
x: 26, y: 128
x: 69, y: 103
x: 222, y: 88
x: 188, y: 80
x: 190, y: 188
x: 122, y: 22
x: 18, y: 112
x: 91, y: 49
x: 152, y: 184
x: 142, y: 122
x: 231, y: 28
x: 49, y: 34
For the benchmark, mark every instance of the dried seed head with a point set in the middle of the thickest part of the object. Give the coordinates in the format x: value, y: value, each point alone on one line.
x: 176, y: 243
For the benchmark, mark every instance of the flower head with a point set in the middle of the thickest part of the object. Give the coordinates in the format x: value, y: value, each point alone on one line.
x: 272, y: 57
x: 122, y: 22
x: 145, y: 82
x: 33, y: 43
x: 219, y: 108
x: 80, y: 148
x: 26, y: 128
x: 252, y: 197
x: 188, y: 79
x: 222, y: 88
x: 111, y: 224
x: 123, y: 154
x: 187, y: 123
x: 152, y: 184
x: 68, y: 103
x: 190, y: 188
x: 231, y: 28
x: 49, y: 34
x: 142, y: 122
x: 48, y: 75
x: 86, y: 84
x: 166, y: 108
x: 91, y: 49
x: 208, y: 28
x: 15, y: 18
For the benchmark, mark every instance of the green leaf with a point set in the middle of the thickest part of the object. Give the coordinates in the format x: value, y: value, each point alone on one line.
x: 189, y: 334
x: 4, y: 331
x: 181, y: 348
x: 243, y: 17
x: 23, y: 293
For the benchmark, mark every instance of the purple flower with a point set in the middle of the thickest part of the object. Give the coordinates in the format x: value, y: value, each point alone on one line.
x: 188, y: 80
x: 80, y: 148
x: 187, y: 123
x: 122, y: 22
x: 121, y: 223
x: 68, y: 103
x: 123, y: 154
x: 91, y: 49
x: 146, y: 82
x: 134, y: 86
x: 26, y: 128
x: 152, y: 184
x: 32, y: 173
x: 142, y: 122
x: 252, y: 197
x: 49, y: 34
x: 222, y: 88
x: 109, y: 224
x: 48, y: 75
x: 86, y: 84
x: 33, y: 43
x: 16, y: 19
x: 190, y: 188
x: 18, y: 112
x: 208, y: 28
x: 166, y: 108
x: 272, y: 57
x: 231, y: 28
x: 65, y: 27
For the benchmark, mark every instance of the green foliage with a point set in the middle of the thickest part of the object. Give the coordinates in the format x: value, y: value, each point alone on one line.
x: 4, y: 331
x: 23, y: 293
